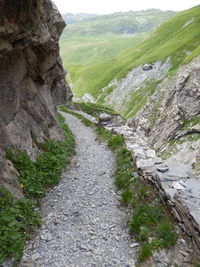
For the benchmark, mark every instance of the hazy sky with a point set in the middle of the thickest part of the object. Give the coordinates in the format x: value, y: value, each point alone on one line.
x: 110, y: 6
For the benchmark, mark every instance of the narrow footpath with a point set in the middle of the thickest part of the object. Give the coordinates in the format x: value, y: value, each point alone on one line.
x: 83, y: 223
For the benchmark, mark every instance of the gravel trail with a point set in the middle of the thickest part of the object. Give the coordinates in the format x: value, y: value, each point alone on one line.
x: 83, y: 225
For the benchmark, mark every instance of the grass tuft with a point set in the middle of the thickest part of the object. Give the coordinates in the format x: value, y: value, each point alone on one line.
x: 85, y: 121
x: 145, y: 252
x: 116, y: 141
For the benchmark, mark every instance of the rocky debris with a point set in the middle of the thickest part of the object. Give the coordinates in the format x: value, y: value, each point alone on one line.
x: 148, y: 67
x: 85, y: 98
x: 31, y: 79
x: 83, y: 225
x: 177, y: 188
x: 137, y: 78
x: 175, y: 184
x: 164, y: 116
x: 104, y: 117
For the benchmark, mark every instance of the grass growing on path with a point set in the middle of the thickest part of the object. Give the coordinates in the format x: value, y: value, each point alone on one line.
x: 85, y: 121
x: 18, y: 218
x: 95, y: 109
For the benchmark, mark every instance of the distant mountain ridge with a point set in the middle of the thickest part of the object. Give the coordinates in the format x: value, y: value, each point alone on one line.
x: 71, y: 18
x: 118, y: 23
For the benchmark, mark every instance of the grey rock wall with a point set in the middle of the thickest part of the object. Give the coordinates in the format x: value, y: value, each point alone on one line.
x: 165, y: 115
x: 136, y: 79
x: 31, y: 79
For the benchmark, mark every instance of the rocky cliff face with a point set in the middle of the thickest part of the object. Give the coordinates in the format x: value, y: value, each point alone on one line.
x: 31, y: 79
x: 171, y: 118
x: 137, y: 84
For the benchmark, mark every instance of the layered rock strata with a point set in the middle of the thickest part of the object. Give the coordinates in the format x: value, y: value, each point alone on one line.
x: 31, y: 79
x: 171, y: 118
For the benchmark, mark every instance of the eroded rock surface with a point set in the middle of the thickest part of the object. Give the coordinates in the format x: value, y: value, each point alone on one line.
x: 31, y: 79
x: 136, y: 79
x: 173, y: 113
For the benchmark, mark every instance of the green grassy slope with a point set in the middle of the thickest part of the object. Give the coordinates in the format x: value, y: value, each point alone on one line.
x: 90, y: 55
x: 176, y: 38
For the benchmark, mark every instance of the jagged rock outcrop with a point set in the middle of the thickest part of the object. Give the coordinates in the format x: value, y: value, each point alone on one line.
x: 31, y: 79
x: 170, y: 120
x: 139, y: 83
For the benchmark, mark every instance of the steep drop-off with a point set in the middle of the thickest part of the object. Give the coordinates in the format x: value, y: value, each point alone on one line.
x: 171, y: 118
x: 31, y: 80
x: 160, y: 94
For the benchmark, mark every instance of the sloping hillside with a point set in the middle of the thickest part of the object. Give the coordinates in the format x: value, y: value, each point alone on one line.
x: 94, y: 44
x: 71, y: 18
x: 160, y: 91
x: 173, y: 43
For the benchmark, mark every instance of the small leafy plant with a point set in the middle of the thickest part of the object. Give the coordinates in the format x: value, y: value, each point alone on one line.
x: 18, y: 219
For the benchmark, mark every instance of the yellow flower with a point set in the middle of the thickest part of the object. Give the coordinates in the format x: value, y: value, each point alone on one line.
x: 21, y: 185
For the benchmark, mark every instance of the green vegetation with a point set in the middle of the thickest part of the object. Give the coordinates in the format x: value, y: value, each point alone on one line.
x: 104, y: 133
x: 150, y: 221
x: 18, y: 218
x: 91, y: 49
x: 105, y: 93
x: 90, y: 62
x: 194, y: 54
x: 139, y: 99
x: 191, y: 122
x: 173, y: 39
x: 116, y: 142
x: 95, y: 109
x: 172, y: 145
x: 145, y: 252
x: 120, y: 23
x: 85, y: 121
x: 36, y: 176
x: 178, y: 40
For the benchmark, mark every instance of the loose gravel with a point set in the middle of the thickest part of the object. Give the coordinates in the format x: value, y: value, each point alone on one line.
x: 83, y: 223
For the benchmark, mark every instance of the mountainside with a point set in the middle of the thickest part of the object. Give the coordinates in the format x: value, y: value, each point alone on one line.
x: 175, y: 40
x: 161, y: 92
x: 157, y: 86
x: 94, y: 44
x: 31, y: 80
x: 121, y: 23
x: 71, y: 18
